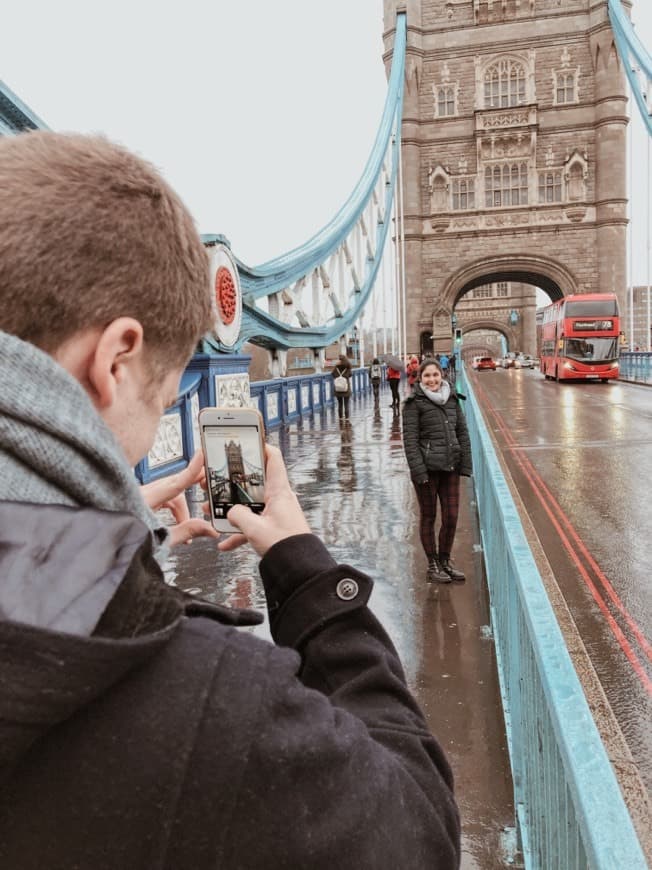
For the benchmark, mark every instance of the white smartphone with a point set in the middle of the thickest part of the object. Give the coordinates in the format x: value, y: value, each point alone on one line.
x: 233, y: 444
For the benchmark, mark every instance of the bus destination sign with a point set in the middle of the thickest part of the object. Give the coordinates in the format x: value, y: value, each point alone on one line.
x: 592, y: 325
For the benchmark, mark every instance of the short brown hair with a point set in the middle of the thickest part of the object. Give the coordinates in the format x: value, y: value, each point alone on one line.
x: 90, y: 232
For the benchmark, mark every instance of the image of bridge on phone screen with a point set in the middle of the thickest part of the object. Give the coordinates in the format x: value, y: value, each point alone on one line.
x: 235, y: 468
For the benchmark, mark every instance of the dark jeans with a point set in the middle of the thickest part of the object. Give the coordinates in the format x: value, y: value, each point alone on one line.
x: 343, y: 405
x: 375, y: 386
x: 393, y: 385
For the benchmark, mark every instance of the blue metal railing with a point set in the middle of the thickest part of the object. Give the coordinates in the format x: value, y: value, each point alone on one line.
x: 636, y: 366
x: 571, y: 813
x: 280, y: 401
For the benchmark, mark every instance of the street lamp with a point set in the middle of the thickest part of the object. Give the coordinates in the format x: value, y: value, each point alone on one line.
x: 355, y: 344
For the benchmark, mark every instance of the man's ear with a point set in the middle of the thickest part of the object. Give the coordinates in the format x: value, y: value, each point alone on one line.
x: 118, y: 351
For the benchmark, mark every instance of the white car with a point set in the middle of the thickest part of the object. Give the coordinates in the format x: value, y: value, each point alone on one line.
x: 525, y: 361
x: 508, y: 361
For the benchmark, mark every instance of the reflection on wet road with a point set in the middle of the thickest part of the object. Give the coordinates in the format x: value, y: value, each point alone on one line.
x: 580, y: 457
x: 353, y: 484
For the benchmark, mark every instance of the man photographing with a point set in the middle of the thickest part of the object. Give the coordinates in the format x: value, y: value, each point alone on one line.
x: 139, y: 729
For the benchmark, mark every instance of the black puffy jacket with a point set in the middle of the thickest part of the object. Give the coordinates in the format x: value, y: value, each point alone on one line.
x: 435, y: 437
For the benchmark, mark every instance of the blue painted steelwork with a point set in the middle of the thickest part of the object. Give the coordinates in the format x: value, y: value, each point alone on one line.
x: 262, y: 281
x: 15, y: 116
x: 570, y: 810
x: 632, y: 53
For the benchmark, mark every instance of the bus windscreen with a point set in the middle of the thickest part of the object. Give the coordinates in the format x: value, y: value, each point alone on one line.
x: 592, y: 308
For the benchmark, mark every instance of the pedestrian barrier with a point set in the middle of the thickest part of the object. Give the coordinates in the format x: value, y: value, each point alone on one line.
x: 636, y: 366
x: 570, y: 811
x: 207, y: 384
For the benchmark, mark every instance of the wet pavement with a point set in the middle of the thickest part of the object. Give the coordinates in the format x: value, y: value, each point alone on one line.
x: 353, y: 483
x: 580, y: 456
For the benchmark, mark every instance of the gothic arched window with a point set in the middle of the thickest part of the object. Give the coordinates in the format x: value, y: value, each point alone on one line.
x: 550, y: 186
x: 504, y: 84
x: 565, y: 88
x: 506, y: 184
x: 445, y: 101
x: 463, y: 193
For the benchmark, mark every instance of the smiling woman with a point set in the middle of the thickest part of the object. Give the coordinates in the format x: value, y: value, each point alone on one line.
x: 438, y: 452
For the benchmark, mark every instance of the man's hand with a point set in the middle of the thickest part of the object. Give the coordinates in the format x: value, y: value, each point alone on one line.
x: 281, y: 518
x: 169, y: 493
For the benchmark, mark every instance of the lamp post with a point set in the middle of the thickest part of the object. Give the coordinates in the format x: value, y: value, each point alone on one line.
x: 355, y: 344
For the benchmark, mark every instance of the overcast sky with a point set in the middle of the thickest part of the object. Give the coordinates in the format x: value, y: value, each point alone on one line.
x: 261, y: 114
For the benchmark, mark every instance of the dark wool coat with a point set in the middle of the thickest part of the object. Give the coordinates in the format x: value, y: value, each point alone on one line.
x: 343, y: 370
x: 169, y: 740
x: 435, y: 437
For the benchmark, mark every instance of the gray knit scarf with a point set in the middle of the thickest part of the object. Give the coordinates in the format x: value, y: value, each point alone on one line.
x: 440, y: 396
x: 54, y: 446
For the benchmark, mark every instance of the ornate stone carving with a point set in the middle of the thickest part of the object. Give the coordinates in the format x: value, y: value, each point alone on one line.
x: 168, y: 444
x: 271, y: 400
x: 502, y: 119
x: 194, y: 413
x: 576, y: 215
x: 232, y: 391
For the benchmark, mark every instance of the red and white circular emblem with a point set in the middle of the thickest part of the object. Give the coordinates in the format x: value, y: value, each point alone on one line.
x: 228, y: 298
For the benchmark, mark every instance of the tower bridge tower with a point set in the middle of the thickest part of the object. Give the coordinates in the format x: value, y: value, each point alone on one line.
x: 514, y: 152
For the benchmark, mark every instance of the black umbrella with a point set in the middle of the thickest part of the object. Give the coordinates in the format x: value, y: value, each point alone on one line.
x: 394, y: 362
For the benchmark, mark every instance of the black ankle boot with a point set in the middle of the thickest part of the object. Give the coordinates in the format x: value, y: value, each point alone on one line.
x: 436, y: 573
x: 452, y: 572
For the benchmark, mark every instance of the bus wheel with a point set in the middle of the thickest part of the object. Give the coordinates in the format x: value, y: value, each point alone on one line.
x: 605, y: 380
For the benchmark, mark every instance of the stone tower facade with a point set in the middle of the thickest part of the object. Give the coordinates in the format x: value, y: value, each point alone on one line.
x: 514, y: 153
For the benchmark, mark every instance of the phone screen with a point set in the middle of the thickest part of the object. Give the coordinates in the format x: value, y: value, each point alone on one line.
x: 235, y: 468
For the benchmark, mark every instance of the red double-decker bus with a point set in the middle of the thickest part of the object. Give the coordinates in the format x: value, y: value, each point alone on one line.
x: 578, y: 338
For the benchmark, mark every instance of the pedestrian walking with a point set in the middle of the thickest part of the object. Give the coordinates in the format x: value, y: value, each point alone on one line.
x: 139, y: 727
x: 342, y: 383
x: 452, y: 366
x: 443, y: 362
x: 375, y: 376
x: 438, y: 452
x: 412, y: 370
x: 394, y: 379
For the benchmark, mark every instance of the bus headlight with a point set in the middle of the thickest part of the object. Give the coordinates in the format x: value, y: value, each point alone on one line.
x: 569, y: 367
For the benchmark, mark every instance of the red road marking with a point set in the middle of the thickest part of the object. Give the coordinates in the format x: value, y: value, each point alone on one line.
x: 540, y: 489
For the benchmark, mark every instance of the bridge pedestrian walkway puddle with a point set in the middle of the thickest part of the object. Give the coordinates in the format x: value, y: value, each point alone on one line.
x: 352, y: 481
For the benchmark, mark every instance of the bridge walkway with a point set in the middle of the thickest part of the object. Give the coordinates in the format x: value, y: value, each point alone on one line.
x: 353, y: 483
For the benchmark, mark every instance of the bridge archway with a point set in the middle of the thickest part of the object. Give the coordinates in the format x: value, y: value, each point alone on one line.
x: 544, y: 272
x: 502, y: 184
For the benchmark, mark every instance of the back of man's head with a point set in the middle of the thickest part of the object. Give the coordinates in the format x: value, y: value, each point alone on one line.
x: 89, y: 233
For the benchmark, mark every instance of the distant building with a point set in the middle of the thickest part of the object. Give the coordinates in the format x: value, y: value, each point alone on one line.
x: 642, y: 336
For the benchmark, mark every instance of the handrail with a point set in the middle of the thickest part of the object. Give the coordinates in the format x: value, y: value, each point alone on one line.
x: 570, y: 809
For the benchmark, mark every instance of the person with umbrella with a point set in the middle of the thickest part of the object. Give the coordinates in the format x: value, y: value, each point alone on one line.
x: 394, y: 369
